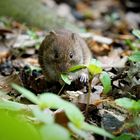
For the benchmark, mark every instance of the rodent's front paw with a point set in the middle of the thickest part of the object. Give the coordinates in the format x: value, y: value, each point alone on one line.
x: 84, y: 77
x: 72, y: 77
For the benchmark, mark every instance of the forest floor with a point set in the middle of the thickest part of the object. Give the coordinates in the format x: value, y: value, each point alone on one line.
x: 110, y: 29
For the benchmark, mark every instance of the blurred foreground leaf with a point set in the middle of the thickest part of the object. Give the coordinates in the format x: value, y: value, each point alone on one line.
x: 54, y: 132
x: 55, y: 102
x: 13, y: 106
x: 14, y: 127
x: 26, y: 93
x: 97, y: 130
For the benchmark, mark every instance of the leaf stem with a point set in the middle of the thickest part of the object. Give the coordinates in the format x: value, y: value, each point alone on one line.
x: 88, y: 97
x: 61, y: 89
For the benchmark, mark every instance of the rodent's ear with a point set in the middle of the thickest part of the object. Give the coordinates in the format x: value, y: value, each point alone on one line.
x: 53, y: 33
x: 73, y: 36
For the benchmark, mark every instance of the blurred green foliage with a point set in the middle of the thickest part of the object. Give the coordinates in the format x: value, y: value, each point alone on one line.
x: 13, y: 126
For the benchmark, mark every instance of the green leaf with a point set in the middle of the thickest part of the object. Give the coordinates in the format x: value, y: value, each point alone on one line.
x: 14, y: 126
x: 76, y: 68
x: 136, y: 32
x: 94, y: 67
x: 55, y: 102
x: 106, y: 81
x: 13, y: 106
x: 96, y: 130
x: 74, y: 114
x: 78, y: 131
x: 54, y: 132
x: 135, y: 57
x: 125, y: 102
x: 129, y: 104
x: 51, y: 100
x: 131, y: 44
x: 124, y: 137
x: 47, y: 118
x: 26, y: 93
x: 66, y: 79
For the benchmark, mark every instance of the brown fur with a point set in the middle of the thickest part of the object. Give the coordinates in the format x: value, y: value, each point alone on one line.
x: 61, y: 50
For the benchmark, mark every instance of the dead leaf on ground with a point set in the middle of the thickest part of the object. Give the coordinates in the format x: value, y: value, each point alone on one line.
x: 6, y: 81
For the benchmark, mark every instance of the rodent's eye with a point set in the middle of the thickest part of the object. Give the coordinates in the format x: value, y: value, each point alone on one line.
x: 56, y: 55
x: 71, y: 55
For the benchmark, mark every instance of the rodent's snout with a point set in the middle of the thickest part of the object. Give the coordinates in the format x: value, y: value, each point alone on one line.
x: 63, y: 68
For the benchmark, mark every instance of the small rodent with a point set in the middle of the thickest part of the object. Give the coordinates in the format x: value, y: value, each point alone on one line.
x: 60, y: 50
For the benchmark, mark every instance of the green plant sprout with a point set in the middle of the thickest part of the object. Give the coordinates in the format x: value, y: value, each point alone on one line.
x: 93, y: 68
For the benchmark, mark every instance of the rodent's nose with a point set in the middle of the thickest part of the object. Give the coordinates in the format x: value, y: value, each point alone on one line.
x: 63, y: 68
